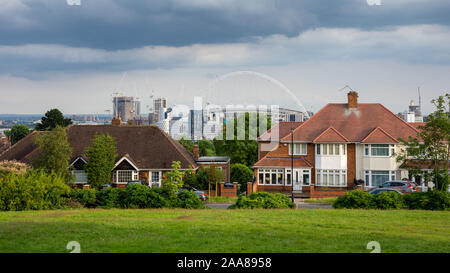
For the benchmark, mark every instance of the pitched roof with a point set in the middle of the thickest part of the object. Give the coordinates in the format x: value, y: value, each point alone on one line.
x: 330, y: 135
x: 283, y: 127
x: 148, y: 147
x: 272, y: 161
x: 353, y: 124
x: 379, y: 135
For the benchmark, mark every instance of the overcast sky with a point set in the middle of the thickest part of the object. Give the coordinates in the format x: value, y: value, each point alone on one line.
x: 73, y: 57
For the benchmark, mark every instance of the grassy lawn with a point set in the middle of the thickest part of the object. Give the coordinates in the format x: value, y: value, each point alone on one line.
x: 180, y: 230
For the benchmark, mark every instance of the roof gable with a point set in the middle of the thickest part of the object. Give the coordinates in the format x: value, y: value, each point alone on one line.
x: 284, y: 129
x: 378, y: 135
x: 353, y: 124
x: 330, y: 135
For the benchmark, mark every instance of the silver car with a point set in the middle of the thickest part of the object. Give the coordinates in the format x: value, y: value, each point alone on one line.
x: 400, y: 185
x: 381, y: 190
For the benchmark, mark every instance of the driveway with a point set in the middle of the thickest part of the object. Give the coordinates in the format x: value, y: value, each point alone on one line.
x: 303, y: 205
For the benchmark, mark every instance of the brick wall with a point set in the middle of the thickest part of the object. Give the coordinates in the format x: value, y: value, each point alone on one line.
x: 351, y: 165
x: 228, y: 191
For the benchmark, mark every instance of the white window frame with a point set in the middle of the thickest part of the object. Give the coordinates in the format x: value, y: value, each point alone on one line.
x: 331, y: 178
x: 134, y: 176
x: 368, y: 150
x: 299, y: 149
x: 78, y: 174
x: 324, y: 149
x: 270, y: 172
x: 368, y: 175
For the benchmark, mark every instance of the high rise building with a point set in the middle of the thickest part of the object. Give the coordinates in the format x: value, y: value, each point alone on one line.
x: 128, y: 108
x: 158, y: 104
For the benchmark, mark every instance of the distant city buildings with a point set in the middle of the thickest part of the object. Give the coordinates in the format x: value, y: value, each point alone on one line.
x: 128, y: 108
x: 413, y: 114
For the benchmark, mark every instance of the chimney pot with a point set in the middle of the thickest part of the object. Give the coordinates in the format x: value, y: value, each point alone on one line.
x: 195, y: 151
x: 352, y: 99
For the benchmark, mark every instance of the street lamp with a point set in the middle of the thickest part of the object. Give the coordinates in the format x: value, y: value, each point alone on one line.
x: 292, y: 163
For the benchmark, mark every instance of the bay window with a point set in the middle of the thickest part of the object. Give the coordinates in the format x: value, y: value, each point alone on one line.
x: 376, y: 178
x: 125, y: 176
x: 299, y: 148
x: 379, y: 149
x: 333, y: 178
x: 270, y: 176
x: 331, y: 149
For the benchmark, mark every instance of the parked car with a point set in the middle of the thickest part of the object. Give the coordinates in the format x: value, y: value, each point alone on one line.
x: 136, y: 183
x: 381, y: 190
x: 105, y: 186
x: 201, y: 194
x: 400, y: 185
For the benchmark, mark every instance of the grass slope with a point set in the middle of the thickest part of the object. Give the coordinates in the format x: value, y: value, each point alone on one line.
x: 225, y: 230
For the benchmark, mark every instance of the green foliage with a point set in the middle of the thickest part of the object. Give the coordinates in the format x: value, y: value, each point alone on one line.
x: 430, y: 147
x: 173, y: 180
x: 52, y: 119
x: 206, y: 148
x: 189, y: 200
x: 201, y: 179
x: 140, y: 196
x: 101, y: 155
x: 388, y: 200
x: 242, y: 174
x: 263, y: 200
x: 18, y: 132
x: 430, y: 200
x: 86, y: 197
x: 355, y: 199
x: 190, y: 178
x: 110, y: 197
x: 54, y: 152
x: 187, y: 144
x: 34, y: 190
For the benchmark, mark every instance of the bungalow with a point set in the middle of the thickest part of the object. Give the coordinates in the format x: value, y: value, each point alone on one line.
x: 327, y: 154
x: 144, y: 153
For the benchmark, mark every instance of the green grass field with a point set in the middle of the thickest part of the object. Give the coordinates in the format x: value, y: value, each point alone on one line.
x: 180, y: 230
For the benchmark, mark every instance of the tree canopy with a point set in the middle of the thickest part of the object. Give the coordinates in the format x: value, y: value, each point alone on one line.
x: 101, y: 157
x: 17, y: 132
x: 52, y: 119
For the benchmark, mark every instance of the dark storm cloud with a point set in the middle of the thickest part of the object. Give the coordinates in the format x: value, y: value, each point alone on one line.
x: 124, y: 24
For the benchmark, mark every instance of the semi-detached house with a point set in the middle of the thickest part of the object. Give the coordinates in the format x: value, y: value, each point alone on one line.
x: 341, y: 143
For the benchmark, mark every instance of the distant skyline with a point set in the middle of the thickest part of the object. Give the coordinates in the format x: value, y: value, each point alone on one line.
x: 72, y: 57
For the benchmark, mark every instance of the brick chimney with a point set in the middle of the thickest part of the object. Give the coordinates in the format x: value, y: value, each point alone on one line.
x: 195, y: 151
x: 352, y: 100
x: 116, y: 121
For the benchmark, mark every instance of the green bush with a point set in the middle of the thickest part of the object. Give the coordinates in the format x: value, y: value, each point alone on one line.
x: 355, y: 200
x: 430, y: 200
x: 86, y: 197
x: 110, y: 197
x: 388, y: 200
x: 34, y: 190
x: 263, y: 200
x: 189, y: 200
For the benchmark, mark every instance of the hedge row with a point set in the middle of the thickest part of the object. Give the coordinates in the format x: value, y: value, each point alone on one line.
x: 136, y: 196
x: 431, y: 200
x: 263, y: 200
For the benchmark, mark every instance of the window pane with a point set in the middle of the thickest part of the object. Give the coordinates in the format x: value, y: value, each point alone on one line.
x: 267, y: 176
x: 306, y: 178
x: 336, y: 179
x: 280, y: 178
x: 366, y: 149
x: 330, y: 149
x: 336, y: 149
x: 274, y: 178
x: 318, y: 149
x: 261, y: 178
x: 380, y: 149
x: 288, y: 179
x: 325, y: 179
x: 325, y: 149
x: 344, y: 147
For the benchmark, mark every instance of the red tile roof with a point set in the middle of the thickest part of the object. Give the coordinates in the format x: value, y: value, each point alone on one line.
x: 330, y: 135
x: 354, y: 125
x: 269, y: 161
x: 379, y: 135
x: 284, y: 128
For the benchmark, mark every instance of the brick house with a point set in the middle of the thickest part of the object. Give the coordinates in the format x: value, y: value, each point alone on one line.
x: 341, y: 143
x: 144, y: 152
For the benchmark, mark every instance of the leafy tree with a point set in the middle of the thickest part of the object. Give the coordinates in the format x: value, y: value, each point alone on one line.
x: 54, y: 152
x: 241, y: 151
x: 52, y: 119
x: 173, y: 180
x: 187, y: 144
x: 190, y: 178
x: 215, y: 175
x: 206, y: 148
x: 101, y: 156
x: 431, y: 145
x: 18, y: 132
x: 242, y: 174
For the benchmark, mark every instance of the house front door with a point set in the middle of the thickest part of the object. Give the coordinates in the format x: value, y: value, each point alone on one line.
x: 298, y: 177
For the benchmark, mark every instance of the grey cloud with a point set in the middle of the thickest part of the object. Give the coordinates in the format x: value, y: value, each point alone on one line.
x: 124, y: 24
